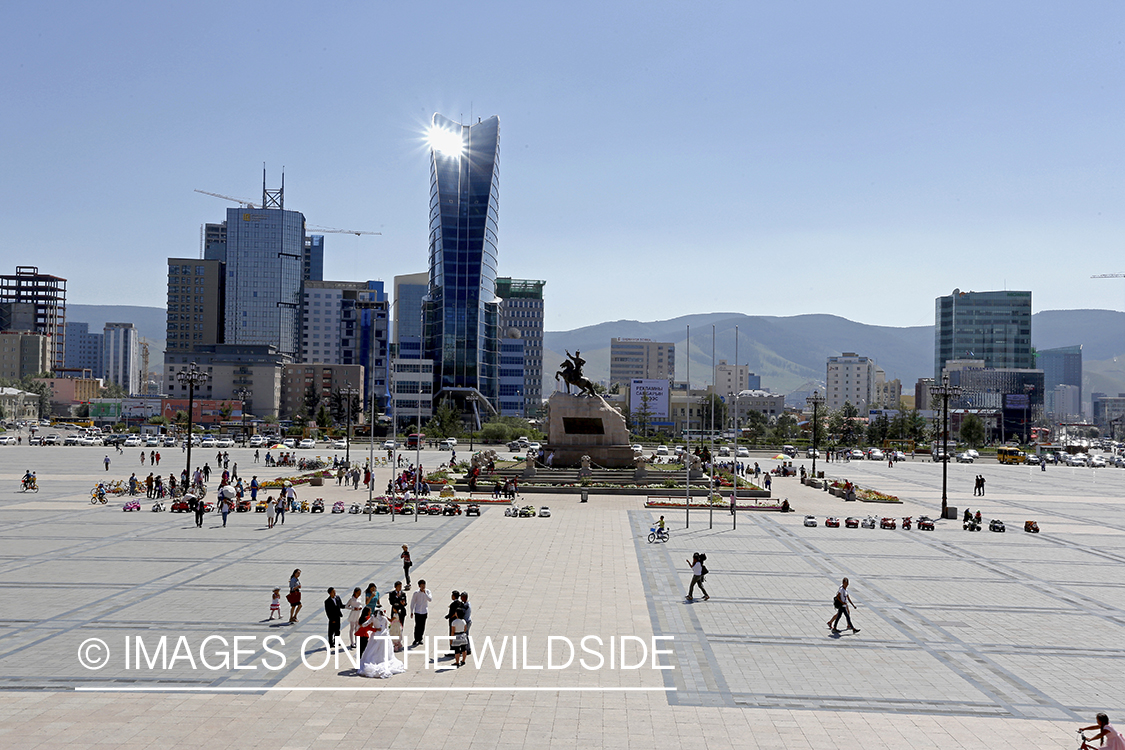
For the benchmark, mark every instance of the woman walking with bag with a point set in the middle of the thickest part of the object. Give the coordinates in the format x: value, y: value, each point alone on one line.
x: 294, y: 596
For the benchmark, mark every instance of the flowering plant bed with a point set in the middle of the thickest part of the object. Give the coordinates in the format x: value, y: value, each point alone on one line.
x: 274, y: 484
x: 871, y: 496
x: 713, y: 502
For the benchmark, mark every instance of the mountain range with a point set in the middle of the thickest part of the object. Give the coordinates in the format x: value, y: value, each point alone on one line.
x: 788, y: 353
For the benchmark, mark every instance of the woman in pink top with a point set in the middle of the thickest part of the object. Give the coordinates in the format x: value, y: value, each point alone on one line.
x: 1110, y: 737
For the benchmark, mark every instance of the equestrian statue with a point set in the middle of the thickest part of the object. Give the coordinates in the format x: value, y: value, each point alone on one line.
x: 571, y: 371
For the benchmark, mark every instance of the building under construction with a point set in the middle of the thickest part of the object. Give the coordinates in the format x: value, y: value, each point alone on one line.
x: 35, y: 302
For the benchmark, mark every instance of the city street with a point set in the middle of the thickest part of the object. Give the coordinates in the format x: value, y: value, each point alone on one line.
x: 967, y: 639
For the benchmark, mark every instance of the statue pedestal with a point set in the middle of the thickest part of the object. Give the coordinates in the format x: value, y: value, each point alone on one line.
x: 587, y: 426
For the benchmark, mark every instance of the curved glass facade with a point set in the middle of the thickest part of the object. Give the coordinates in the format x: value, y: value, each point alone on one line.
x: 461, y: 309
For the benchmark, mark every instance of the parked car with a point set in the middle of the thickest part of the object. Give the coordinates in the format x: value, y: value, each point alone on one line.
x: 7, y: 440
x: 257, y: 441
x: 224, y: 442
x: 52, y: 439
x: 209, y: 442
x: 810, y: 520
x: 289, y: 442
x: 964, y: 458
x: 446, y: 445
x: 544, y: 512
x: 743, y: 452
x: 789, y: 450
x: 169, y: 441
x: 390, y: 445
x: 1097, y: 462
x: 307, y: 444
x: 130, y: 442
x: 662, y: 450
x: 812, y: 453
x: 340, y: 445
x: 876, y: 455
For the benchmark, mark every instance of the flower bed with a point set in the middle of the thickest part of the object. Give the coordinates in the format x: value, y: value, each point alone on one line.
x: 279, y: 482
x: 714, y: 501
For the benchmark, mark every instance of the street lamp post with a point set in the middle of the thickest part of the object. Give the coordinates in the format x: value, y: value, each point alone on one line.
x: 946, y: 391
x: 348, y: 393
x: 191, y: 376
x: 242, y: 394
x: 815, y: 401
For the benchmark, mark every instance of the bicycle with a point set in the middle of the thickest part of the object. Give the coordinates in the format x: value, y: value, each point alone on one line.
x: 1084, y: 743
x: 97, y: 495
x: 657, y: 534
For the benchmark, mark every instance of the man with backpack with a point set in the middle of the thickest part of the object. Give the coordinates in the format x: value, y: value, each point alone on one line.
x: 843, y: 603
x: 698, y: 571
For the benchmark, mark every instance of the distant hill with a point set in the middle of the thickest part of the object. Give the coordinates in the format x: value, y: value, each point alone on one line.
x: 790, y: 351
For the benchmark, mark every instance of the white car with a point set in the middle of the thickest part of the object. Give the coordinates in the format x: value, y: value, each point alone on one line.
x: 225, y: 442
x: 812, y: 453
x: 209, y: 442
x: 1097, y: 462
x: 531, y: 446
x: 132, y: 442
x: 972, y: 452
x: 340, y: 445
x: 876, y: 455
x: 152, y: 441
x: 169, y: 441
x: 390, y: 445
x: 855, y: 454
x: 1076, y: 459
x: 638, y: 448
x: 307, y: 443
x: 810, y: 520
x: 451, y: 441
x: 7, y: 440
x: 724, y: 450
x: 662, y: 450
x: 743, y: 452
x: 964, y: 458
x: 544, y: 512
x: 289, y: 443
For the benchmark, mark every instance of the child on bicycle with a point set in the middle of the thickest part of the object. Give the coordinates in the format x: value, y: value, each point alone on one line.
x: 1110, y: 738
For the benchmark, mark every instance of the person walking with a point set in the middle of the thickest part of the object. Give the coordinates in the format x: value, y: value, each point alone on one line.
x: 982, y: 485
x: 698, y: 571
x: 271, y: 512
x: 142, y: 458
x: 106, y: 459
x: 281, y: 504
x: 406, y: 565
x: 334, y: 609
x: 200, y: 509
x: 468, y: 617
x: 226, y: 501
x: 294, y: 597
x: 419, y: 610
x: 354, y: 606
x: 843, y: 603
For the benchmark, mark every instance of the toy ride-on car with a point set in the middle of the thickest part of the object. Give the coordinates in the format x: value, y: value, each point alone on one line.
x: 868, y: 523
x: 435, y: 509
x: 888, y: 523
x: 131, y: 505
x: 1031, y: 527
x: 158, y: 506
x: 906, y: 522
x: 810, y: 520
x: 851, y: 522
x: 451, y: 509
x: 318, y: 505
x: 354, y: 509
x: 180, y: 506
x: 925, y: 523
x: 544, y: 512
x: 971, y: 525
x: 511, y: 511
x: 996, y: 525
x: 243, y: 506
x: 338, y: 506
x: 261, y: 507
x: 832, y: 522
x: 527, y: 511
x: 472, y: 510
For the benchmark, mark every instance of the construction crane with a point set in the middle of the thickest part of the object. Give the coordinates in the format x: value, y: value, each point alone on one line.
x: 240, y: 201
x: 309, y: 227
x: 328, y: 230
x: 1108, y: 276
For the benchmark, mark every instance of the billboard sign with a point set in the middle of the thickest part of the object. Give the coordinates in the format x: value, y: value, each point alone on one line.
x: 1016, y: 401
x: 650, y: 395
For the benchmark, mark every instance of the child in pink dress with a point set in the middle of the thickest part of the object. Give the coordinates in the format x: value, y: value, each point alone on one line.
x: 275, y: 605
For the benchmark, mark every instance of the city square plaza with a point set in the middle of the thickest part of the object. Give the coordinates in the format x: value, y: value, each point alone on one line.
x: 968, y: 640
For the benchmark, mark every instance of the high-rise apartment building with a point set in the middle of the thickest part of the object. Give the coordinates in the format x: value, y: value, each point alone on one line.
x: 250, y: 373
x: 121, y: 356
x: 641, y: 358
x: 885, y: 394
x: 264, y: 269
x: 345, y: 323
x: 24, y: 354
x: 323, y: 379
x: 731, y: 379
x: 196, y: 303
x: 521, y: 312
x: 1061, y: 366
x: 83, y: 350
x: 461, y: 335
x: 36, y: 303
x: 850, y: 379
x: 993, y: 326
x: 215, y: 242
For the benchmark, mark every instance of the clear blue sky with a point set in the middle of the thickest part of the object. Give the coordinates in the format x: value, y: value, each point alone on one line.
x: 657, y: 159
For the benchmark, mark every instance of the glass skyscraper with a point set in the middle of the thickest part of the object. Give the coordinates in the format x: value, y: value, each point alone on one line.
x: 461, y: 334
x: 265, y: 254
x: 992, y: 326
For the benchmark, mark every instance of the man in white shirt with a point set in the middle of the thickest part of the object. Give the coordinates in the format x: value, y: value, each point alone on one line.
x: 843, y: 604
x: 419, y: 609
x: 696, y: 578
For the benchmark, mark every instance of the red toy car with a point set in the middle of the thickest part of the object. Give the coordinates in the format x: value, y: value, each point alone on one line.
x: 832, y: 522
x: 925, y: 523
x: 851, y: 522
x: 888, y: 523
x: 180, y: 506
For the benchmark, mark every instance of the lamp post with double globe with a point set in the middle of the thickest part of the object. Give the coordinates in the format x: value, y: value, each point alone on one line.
x: 192, y: 377
x: 946, y: 392
x: 815, y: 401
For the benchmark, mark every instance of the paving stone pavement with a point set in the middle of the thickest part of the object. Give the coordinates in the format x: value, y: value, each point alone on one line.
x: 967, y: 640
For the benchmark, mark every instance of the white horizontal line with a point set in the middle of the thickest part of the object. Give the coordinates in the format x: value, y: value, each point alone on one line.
x: 187, y: 689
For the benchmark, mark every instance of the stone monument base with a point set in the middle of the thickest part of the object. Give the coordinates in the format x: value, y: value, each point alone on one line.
x: 604, y: 456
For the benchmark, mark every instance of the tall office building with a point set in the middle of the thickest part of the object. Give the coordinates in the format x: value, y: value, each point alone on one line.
x: 215, y: 242
x: 121, y: 355
x: 196, y: 302
x: 409, y: 292
x: 83, y: 349
x: 993, y: 326
x: 641, y: 358
x: 521, y: 311
x: 264, y: 268
x: 1061, y: 366
x: 850, y: 379
x: 312, y: 261
x: 461, y: 335
x: 35, y: 303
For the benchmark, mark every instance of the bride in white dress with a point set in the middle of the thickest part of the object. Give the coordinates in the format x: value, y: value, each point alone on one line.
x: 378, y: 659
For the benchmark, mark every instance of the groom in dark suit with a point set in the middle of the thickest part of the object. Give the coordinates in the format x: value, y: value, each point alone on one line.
x: 334, y: 608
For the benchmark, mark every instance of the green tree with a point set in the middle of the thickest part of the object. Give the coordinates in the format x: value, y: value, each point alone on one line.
x: 845, y: 425
x: 446, y: 421
x: 180, y: 418
x: 311, y: 399
x: 323, y: 417
x: 878, y: 430
x: 113, y: 390
x: 785, y: 428
x: 226, y: 408
x: 755, y: 425
x: 972, y: 430
x: 643, y: 414
x: 709, y: 405
x: 495, y: 432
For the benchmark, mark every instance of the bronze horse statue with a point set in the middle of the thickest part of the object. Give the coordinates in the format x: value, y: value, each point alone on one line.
x: 571, y: 372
